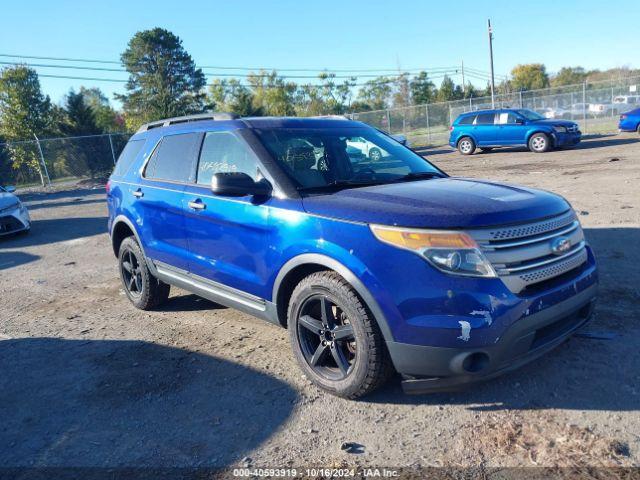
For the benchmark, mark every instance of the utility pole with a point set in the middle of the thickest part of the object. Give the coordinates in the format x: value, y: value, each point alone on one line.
x: 493, y: 86
x: 464, y: 89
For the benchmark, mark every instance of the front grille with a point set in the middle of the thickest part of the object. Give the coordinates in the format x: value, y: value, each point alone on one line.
x: 572, y: 129
x: 523, y: 255
x: 10, y: 224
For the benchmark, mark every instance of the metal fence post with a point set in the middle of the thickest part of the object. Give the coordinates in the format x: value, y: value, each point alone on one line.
x: 520, y: 92
x: 584, y: 105
x: 44, y: 165
x: 113, y: 153
x: 388, y: 121
x: 428, y: 127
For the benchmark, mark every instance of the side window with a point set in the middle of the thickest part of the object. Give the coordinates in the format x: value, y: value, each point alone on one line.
x: 468, y: 120
x: 506, y: 118
x: 224, y: 152
x: 485, y: 119
x: 174, y: 158
x: 127, y: 157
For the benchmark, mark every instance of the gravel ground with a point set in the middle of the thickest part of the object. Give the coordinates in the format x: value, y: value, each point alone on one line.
x: 88, y: 381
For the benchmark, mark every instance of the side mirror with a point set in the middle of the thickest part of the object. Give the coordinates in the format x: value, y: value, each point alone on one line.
x: 10, y: 189
x: 238, y: 184
x: 520, y: 121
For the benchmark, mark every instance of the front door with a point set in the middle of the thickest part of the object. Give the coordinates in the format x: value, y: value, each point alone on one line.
x: 228, y: 236
x: 511, y: 129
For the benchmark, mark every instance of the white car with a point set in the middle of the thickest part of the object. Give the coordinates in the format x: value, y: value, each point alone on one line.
x: 14, y: 216
x: 625, y: 103
x: 370, y: 150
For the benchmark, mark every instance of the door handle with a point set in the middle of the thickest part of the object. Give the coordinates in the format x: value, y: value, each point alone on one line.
x: 197, y: 204
x: 138, y: 193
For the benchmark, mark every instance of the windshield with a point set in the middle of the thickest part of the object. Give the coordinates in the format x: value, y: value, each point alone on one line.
x: 530, y: 114
x: 339, y: 157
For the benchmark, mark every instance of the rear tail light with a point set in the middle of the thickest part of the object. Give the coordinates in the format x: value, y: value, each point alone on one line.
x: 451, y: 128
x: 622, y: 117
x: 107, y: 187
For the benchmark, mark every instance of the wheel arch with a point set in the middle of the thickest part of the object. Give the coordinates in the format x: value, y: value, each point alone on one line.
x: 540, y: 130
x: 466, y: 135
x: 302, y: 265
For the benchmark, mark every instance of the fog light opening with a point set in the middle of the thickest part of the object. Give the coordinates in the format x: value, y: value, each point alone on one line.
x: 476, y: 362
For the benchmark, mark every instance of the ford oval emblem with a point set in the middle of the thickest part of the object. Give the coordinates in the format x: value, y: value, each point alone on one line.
x: 560, y: 245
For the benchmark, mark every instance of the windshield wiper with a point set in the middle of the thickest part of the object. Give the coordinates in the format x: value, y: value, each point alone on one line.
x: 339, y: 184
x: 419, y: 176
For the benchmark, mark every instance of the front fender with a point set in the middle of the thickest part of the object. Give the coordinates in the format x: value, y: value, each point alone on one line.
x: 351, y: 274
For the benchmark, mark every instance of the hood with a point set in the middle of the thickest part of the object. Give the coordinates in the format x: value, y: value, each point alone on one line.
x: 438, y: 203
x: 551, y: 122
x: 7, y: 199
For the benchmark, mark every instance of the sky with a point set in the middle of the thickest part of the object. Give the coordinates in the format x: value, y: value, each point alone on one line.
x: 327, y: 34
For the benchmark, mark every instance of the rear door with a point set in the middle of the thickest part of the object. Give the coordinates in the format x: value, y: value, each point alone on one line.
x: 484, y: 130
x: 228, y: 236
x: 159, y: 198
x: 509, y: 131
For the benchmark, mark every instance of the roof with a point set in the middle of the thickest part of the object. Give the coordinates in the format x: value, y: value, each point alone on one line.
x: 254, y: 122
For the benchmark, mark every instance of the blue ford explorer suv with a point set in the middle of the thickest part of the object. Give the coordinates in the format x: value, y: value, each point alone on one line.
x: 487, y: 129
x: 372, y: 265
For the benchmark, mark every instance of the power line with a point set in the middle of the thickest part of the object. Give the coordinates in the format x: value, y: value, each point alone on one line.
x: 248, y: 69
x: 215, y: 75
x: 115, y: 80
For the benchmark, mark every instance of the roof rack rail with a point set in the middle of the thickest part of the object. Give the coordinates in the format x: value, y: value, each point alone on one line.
x: 188, y: 118
x: 332, y: 116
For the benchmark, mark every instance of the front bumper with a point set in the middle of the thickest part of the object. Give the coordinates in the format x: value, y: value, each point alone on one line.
x: 431, y: 369
x: 566, y: 139
x: 14, y: 221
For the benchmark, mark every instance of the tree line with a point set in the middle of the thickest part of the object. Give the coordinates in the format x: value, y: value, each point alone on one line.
x: 164, y: 81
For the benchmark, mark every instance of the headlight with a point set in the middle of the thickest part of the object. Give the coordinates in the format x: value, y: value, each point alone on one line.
x: 560, y: 128
x: 448, y: 251
x: 10, y: 208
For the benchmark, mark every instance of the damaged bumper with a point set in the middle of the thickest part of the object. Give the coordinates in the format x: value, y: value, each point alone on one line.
x: 431, y: 369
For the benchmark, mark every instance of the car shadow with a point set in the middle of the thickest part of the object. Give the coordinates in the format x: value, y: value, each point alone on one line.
x: 582, y: 373
x: 107, y: 404
x: 190, y: 303
x: 56, y: 230
x: 14, y: 259
x: 432, y: 150
x: 31, y: 206
x: 72, y: 192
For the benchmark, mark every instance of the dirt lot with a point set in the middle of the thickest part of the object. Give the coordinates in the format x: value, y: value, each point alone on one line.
x: 86, y: 380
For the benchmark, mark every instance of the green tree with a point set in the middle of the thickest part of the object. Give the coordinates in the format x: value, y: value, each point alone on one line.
x: 87, y: 154
x: 230, y: 95
x: 530, y: 76
x: 24, y: 111
x: 402, y: 94
x: 448, y: 90
x: 376, y: 93
x: 422, y: 89
x: 326, y: 98
x: 163, y: 79
x: 569, y: 76
x: 107, y: 119
x: 271, y: 94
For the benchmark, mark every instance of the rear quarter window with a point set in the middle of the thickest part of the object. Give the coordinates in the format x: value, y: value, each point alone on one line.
x: 174, y: 159
x: 127, y: 157
x: 485, y: 119
x: 468, y: 120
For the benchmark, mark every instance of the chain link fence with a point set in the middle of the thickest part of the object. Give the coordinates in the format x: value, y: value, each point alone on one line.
x: 595, y: 106
x: 45, y: 162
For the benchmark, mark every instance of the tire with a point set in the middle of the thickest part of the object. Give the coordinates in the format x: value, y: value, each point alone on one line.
x: 143, y: 289
x: 375, y: 154
x: 466, y: 146
x: 348, y: 329
x: 539, y: 143
x: 638, y: 128
x: 486, y: 149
